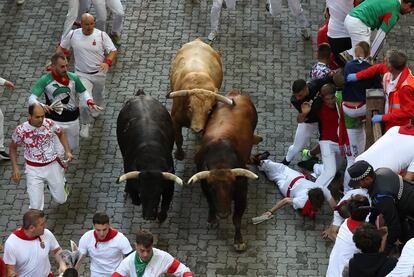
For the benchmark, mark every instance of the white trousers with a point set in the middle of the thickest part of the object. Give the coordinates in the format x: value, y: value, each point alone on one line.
x: 215, y: 12
x: 71, y: 130
x: 275, y: 9
x: 53, y: 175
x: 94, y: 84
x: 332, y: 160
x: 1, y: 131
x: 357, y: 31
x: 71, y: 16
x: 278, y: 173
x: 115, y: 6
x: 304, y: 133
x: 357, y: 139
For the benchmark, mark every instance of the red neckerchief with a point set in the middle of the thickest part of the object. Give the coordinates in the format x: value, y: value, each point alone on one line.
x: 407, y: 130
x: 111, y: 234
x: 343, y: 139
x: 63, y: 80
x: 308, y: 210
x: 21, y: 235
x: 353, y: 224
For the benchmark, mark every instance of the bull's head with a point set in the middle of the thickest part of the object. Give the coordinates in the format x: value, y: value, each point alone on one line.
x: 222, y: 183
x: 149, y: 186
x: 200, y: 105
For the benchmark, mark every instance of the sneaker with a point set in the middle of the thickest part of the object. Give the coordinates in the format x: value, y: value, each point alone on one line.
x: 268, y: 7
x: 345, y: 57
x: 285, y: 162
x: 84, y: 131
x: 305, y: 34
x: 212, y: 36
x: 308, y: 165
x: 76, y: 25
x: 19, y: 2
x: 259, y: 157
x: 67, y: 189
x: 306, y: 155
x: 224, y: 5
x: 116, y: 39
x: 4, y: 155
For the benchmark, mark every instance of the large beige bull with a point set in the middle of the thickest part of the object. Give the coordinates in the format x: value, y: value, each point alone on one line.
x: 196, y: 76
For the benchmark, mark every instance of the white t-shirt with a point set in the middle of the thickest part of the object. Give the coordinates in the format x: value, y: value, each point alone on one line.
x: 89, y: 51
x: 338, y: 10
x: 392, y: 150
x: 39, y: 144
x: 405, y: 265
x: 160, y: 263
x: 106, y: 256
x: 299, y: 191
x: 343, y: 250
x: 28, y: 257
x: 337, y: 218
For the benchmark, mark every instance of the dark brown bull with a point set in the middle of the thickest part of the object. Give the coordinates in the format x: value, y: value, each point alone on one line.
x: 196, y: 76
x: 226, y: 146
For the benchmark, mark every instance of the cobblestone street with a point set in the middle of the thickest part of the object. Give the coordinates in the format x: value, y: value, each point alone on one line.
x: 261, y: 55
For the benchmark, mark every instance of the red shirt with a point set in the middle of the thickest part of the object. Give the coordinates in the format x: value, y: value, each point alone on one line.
x: 328, y: 123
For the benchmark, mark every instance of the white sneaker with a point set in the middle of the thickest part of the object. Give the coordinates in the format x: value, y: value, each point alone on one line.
x: 212, y: 36
x: 84, y: 131
x: 305, y: 34
x: 20, y: 2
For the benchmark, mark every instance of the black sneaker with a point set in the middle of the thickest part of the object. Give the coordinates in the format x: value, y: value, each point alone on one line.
x: 285, y: 162
x: 259, y: 157
x: 4, y: 156
x: 308, y: 165
x: 268, y: 7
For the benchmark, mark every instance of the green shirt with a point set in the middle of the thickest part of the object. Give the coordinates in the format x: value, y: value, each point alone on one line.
x: 378, y: 14
x: 55, y: 91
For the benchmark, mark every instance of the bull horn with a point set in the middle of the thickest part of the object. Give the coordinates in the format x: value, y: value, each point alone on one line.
x: 178, y: 93
x: 172, y: 177
x: 198, y: 176
x: 127, y: 176
x: 244, y: 172
x: 224, y: 99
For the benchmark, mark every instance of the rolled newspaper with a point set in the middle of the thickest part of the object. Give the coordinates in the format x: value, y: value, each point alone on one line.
x: 57, y: 106
x: 260, y: 219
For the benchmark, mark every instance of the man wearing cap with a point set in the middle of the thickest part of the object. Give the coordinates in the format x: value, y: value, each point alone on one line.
x: 391, y: 196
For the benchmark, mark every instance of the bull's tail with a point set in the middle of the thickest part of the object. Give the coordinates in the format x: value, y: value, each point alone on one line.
x: 140, y: 92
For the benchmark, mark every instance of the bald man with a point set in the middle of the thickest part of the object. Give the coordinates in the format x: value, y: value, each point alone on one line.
x: 94, y: 53
x: 43, y: 165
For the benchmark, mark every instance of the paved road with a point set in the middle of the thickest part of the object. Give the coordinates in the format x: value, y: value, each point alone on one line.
x: 261, y: 55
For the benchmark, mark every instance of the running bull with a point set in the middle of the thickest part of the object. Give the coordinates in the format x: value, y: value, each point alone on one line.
x: 221, y: 161
x: 146, y: 139
x: 196, y: 76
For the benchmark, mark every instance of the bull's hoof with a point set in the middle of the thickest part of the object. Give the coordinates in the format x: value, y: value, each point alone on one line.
x: 240, y: 247
x: 179, y: 155
x: 214, y: 224
x: 162, y: 216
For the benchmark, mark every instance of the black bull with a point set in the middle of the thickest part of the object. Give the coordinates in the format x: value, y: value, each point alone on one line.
x: 146, y: 138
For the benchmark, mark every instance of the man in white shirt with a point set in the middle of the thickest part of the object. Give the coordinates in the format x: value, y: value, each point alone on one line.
x: 405, y: 264
x: 148, y: 261
x: 43, y: 164
x: 295, y: 188
x: 94, y: 53
x: 344, y: 247
x: 26, y: 251
x: 3, y: 154
x: 106, y: 247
